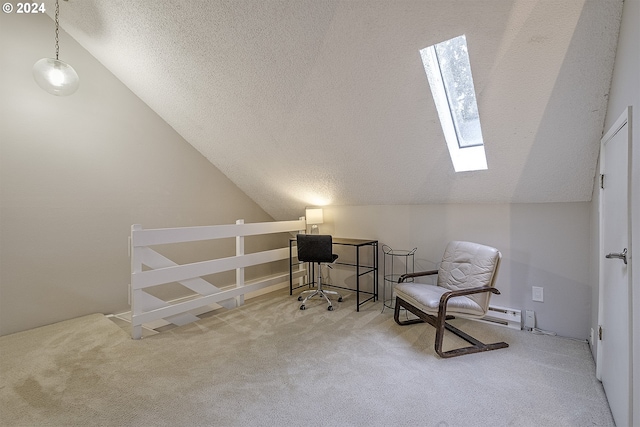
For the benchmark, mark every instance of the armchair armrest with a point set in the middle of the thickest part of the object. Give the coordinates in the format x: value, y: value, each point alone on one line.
x: 470, y: 291
x: 418, y: 274
x: 462, y: 292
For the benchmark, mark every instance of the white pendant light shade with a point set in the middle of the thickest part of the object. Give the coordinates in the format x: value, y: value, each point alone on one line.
x: 56, y: 77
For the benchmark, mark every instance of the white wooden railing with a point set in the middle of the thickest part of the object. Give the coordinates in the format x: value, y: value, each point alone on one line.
x: 146, y: 308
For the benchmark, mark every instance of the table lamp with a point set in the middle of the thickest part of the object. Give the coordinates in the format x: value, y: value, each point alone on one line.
x: 314, y: 217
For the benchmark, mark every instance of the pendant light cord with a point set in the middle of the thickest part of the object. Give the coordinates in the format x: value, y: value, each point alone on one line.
x: 57, y: 30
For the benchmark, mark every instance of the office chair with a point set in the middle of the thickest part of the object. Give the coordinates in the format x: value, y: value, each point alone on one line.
x: 466, y: 279
x: 317, y: 249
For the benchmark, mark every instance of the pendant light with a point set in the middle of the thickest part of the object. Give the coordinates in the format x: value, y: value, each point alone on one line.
x: 55, y: 76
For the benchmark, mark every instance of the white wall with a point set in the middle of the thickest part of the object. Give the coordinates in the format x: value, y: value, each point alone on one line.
x: 542, y: 245
x: 625, y: 91
x: 76, y: 172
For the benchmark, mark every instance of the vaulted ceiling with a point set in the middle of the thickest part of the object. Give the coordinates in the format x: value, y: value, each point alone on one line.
x: 305, y: 102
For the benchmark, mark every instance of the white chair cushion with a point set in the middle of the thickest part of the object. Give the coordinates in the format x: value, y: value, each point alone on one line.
x: 427, y: 298
x: 469, y: 265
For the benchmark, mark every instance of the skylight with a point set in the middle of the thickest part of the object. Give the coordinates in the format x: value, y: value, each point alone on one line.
x: 449, y: 72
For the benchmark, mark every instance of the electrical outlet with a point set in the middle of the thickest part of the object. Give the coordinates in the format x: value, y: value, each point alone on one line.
x: 530, y: 320
x: 592, y: 337
x: 538, y: 293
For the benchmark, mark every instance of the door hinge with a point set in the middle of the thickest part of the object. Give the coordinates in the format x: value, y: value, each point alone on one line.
x: 599, y: 333
x: 602, y: 181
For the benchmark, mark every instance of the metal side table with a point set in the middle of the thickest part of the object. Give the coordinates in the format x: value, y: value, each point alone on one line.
x: 396, y: 263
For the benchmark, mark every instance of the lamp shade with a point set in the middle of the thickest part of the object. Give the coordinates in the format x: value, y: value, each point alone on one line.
x: 56, y: 77
x: 314, y: 216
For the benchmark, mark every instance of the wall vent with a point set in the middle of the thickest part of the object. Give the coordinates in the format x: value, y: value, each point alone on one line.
x: 508, y: 317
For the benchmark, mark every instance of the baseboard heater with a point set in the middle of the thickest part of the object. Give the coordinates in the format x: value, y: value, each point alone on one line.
x: 508, y: 317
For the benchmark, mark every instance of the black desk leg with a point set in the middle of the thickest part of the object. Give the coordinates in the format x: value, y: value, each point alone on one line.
x: 357, y: 278
x: 290, y: 268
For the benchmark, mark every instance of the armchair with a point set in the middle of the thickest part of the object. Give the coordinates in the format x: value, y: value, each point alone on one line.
x: 465, y: 282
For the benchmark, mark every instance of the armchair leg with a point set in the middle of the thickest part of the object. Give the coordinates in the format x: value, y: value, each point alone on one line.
x: 396, y: 315
x: 422, y: 316
x: 440, y: 324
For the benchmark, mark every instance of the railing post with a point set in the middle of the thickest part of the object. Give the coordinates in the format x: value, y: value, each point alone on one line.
x: 240, y: 271
x: 135, y: 296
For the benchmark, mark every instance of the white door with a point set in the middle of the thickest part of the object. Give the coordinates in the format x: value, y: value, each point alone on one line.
x: 614, y: 318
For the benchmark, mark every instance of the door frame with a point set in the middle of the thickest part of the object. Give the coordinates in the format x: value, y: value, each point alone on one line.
x: 624, y: 119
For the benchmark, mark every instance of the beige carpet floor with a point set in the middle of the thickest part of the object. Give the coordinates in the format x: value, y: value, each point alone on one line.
x: 268, y: 363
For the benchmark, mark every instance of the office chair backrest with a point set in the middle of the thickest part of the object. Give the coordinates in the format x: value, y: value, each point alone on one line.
x: 315, y: 248
x: 469, y: 265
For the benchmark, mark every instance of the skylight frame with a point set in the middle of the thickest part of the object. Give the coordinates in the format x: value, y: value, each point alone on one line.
x: 465, y: 157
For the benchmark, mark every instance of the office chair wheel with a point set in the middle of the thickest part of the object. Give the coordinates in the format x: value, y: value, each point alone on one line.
x: 340, y: 299
x: 299, y: 298
x: 302, y: 307
x: 330, y: 308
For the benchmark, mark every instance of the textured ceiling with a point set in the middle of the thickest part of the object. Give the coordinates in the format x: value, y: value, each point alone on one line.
x: 303, y: 102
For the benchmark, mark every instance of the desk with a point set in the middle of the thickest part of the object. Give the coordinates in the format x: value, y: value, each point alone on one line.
x: 361, y: 270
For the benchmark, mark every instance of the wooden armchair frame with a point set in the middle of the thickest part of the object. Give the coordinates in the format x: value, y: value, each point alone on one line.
x: 440, y: 321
